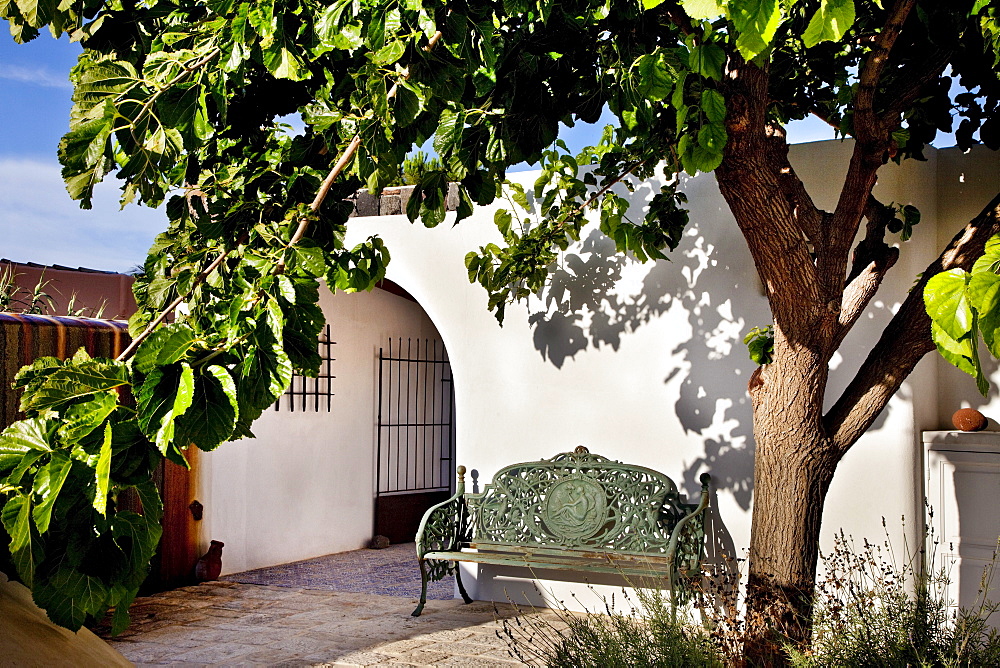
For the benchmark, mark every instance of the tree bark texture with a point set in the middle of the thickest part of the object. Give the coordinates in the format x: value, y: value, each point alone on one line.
x: 816, y: 296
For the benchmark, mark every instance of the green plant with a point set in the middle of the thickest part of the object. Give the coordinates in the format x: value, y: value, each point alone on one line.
x: 760, y: 344
x: 84, y: 311
x: 964, y: 306
x: 8, y: 288
x: 38, y: 301
x: 34, y: 302
x: 662, y: 636
x: 180, y: 99
x: 874, y: 609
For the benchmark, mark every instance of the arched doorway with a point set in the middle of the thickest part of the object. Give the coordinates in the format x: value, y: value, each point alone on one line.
x: 308, y: 484
x: 415, y: 448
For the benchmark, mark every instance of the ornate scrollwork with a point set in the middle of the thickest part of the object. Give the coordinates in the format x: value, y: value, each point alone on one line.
x: 578, y: 499
x: 445, y: 529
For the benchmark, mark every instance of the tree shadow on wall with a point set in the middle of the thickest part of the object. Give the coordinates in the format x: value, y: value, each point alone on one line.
x: 597, y: 296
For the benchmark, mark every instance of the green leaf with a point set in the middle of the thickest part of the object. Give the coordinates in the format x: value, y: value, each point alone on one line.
x: 211, y: 419
x: 519, y: 195
x: 756, y: 22
x: 102, y: 473
x: 349, y: 38
x: 389, y: 53
x: 958, y: 353
x: 284, y: 64
x: 946, y: 298
x: 81, y: 419
x: 16, y: 520
x: 714, y: 105
x: 74, y: 381
x: 163, y: 347
x: 310, y: 257
x: 502, y: 219
x: 707, y: 60
x: 655, y: 82
x: 48, y: 483
x: 165, y: 395
x: 449, y: 131
x: 830, y: 22
x: 24, y: 436
x: 25, y: 550
x: 69, y: 597
x: 704, y: 10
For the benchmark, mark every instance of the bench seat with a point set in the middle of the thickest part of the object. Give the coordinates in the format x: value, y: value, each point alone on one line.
x: 575, y: 512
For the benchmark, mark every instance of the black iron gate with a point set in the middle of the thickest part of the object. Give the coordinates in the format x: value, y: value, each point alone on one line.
x: 415, y: 448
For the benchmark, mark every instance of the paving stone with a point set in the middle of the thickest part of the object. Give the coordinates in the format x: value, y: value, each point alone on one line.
x: 237, y: 624
x: 305, y: 645
x: 401, y: 647
x: 361, y: 659
x: 216, y: 653
x: 476, y: 662
x: 450, y: 634
x: 423, y: 657
x: 459, y: 648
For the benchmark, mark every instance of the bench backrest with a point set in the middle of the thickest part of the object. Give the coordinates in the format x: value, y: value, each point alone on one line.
x: 578, y: 499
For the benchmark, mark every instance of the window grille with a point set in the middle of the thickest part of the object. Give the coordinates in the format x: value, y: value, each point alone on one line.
x: 312, y: 394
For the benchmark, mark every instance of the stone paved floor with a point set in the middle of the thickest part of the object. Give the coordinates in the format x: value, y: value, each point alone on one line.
x: 392, y: 571
x: 333, y: 610
x: 234, y: 624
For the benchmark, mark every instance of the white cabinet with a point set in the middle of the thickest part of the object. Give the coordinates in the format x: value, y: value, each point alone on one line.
x: 963, y: 488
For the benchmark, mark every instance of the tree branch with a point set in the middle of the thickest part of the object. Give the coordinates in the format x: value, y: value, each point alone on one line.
x: 804, y: 211
x: 349, y: 152
x: 679, y: 17
x: 872, y: 260
x: 912, y: 80
x: 905, y: 340
x: 776, y: 229
x: 866, y: 125
x: 198, y: 280
x: 872, y: 140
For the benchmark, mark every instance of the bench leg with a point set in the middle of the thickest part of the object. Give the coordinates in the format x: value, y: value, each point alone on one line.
x: 461, y: 587
x: 423, y: 589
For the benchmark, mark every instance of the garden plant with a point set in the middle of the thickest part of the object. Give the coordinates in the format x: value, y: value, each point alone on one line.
x: 183, y: 101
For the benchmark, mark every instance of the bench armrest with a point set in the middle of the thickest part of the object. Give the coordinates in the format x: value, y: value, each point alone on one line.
x: 444, y: 526
x: 684, y: 525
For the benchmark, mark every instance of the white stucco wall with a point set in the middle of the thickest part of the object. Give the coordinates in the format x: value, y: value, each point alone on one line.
x: 641, y: 363
x: 304, y: 486
x: 645, y: 363
x: 966, y: 183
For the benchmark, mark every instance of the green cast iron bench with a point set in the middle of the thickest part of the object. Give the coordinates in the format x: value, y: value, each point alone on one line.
x: 577, y: 511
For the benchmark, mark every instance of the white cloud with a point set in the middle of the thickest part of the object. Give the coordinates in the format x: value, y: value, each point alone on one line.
x: 40, y: 223
x: 38, y: 76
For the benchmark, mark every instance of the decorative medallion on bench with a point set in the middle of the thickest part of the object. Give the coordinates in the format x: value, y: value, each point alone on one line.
x: 577, y: 511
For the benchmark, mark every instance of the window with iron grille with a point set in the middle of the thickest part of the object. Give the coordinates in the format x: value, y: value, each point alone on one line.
x: 305, y: 394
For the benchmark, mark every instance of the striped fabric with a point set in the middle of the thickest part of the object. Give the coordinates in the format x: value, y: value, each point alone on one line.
x: 25, y: 338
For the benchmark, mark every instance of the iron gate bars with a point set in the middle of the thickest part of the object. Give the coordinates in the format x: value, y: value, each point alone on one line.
x: 415, y: 444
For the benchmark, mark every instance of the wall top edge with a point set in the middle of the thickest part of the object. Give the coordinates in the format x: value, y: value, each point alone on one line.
x: 969, y: 441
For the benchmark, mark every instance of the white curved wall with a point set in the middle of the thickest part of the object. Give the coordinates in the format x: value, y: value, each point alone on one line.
x: 305, y: 486
x: 645, y: 363
x: 641, y: 363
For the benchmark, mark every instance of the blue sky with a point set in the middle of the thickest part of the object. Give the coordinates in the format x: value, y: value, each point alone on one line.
x: 38, y: 220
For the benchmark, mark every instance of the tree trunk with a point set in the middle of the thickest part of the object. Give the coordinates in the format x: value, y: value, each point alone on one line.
x: 794, y: 465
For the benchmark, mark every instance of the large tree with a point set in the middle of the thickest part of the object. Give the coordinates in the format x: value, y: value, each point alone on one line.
x: 183, y: 100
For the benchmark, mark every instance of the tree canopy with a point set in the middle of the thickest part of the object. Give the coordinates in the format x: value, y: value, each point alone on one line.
x: 185, y: 101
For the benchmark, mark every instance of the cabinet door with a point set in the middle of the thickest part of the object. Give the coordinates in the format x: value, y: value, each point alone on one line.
x: 963, y: 489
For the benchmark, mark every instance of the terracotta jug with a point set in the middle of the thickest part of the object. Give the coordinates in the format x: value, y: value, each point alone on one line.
x: 209, y: 566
